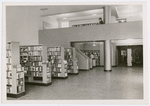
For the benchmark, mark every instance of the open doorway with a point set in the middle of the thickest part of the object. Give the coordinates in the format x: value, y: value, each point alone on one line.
x: 130, y: 55
x: 92, y: 49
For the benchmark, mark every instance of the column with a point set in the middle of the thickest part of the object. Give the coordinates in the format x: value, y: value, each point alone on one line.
x: 107, y: 66
x: 113, y: 52
x: 107, y: 14
x: 101, y: 53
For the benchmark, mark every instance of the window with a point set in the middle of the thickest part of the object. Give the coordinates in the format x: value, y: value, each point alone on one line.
x: 64, y: 24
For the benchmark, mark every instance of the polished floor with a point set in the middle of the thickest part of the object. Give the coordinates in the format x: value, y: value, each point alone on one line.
x: 121, y: 83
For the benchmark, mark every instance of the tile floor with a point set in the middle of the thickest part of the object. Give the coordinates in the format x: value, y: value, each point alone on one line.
x: 121, y: 83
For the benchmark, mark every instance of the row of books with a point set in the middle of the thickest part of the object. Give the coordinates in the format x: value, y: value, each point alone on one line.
x: 48, y: 75
x: 34, y: 53
x: 34, y: 63
x: 54, y: 61
x: 8, y: 53
x: 9, y: 74
x: 8, y: 60
x: 32, y: 68
x: 70, y: 67
x: 23, y: 49
x: 56, y: 69
x: 54, y: 74
x: 8, y: 67
x: 59, y: 65
x: 54, y: 49
x: 52, y: 57
x: 70, y: 70
x: 9, y: 89
x: 8, y: 46
x: 24, y: 54
x: 9, y: 81
x: 20, y: 75
x: 34, y: 48
x: 31, y: 58
x: 34, y: 73
x: 20, y: 82
x: 54, y: 53
x: 68, y: 56
x: 20, y: 88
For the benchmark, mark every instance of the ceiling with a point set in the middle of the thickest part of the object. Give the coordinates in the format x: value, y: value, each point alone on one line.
x: 76, y: 12
x: 63, y: 9
x: 79, y: 12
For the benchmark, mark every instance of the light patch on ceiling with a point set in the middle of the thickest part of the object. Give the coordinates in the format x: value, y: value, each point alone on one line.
x: 130, y: 12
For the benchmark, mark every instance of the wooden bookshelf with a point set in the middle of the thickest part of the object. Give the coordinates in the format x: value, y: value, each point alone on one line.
x: 70, y: 56
x: 95, y: 54
x: 58, y: 62
x: 14, y: 72
x: 37, y: 69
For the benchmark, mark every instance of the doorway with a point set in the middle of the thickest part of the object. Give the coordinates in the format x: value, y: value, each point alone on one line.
x: 130, y: 55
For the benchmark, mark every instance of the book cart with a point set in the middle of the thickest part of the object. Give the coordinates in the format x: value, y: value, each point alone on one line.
x: 36, y: 66
x: 14, y: 72
x: 58, y: 62
x: 70, y: 56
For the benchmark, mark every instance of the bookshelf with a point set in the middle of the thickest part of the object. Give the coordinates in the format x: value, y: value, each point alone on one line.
x: 95, y: 54
x: 37, y: 69
x: 14, y: 72
x: 71, y: 57
x: 58, y: 62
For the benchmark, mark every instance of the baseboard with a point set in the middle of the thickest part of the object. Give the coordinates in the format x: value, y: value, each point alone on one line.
x: 16, y: 95
x: 59, y: 77
x: 41, y: 84
x: 83, y: 70
x: 73, y: 73
x: 107, y: 70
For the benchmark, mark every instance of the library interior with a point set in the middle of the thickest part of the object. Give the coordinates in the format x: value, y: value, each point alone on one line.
x: 74, y: 52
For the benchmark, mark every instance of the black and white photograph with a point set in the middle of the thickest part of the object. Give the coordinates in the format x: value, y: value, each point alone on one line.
x: 69, y: 52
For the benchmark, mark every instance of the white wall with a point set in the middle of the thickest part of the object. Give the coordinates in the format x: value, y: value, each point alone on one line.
x: 21, y: 25
x: 79, y: 46
x: 53, y: 23
x: 64, y: 36
x: 89, y: 46
x: 128, y: 42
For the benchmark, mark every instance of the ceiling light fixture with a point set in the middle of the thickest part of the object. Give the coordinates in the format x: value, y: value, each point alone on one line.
x: 94, y: 44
